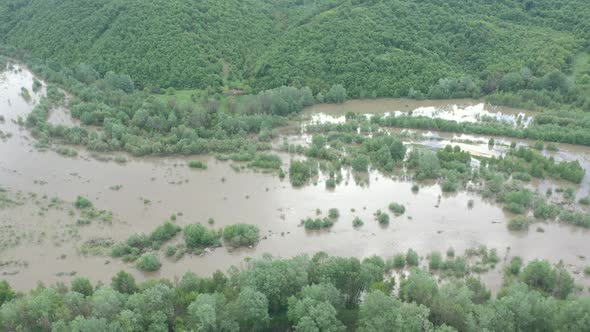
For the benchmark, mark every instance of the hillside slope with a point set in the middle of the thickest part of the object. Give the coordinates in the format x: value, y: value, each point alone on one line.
x: 373, y: 47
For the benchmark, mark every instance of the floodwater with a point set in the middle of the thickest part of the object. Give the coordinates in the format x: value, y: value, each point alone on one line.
x: 460, y: 110
x: 149, y: 190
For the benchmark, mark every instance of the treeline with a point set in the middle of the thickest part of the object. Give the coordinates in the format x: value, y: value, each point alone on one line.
x: 321, y: 293
x: 135, y: 121
x: 523, y: 53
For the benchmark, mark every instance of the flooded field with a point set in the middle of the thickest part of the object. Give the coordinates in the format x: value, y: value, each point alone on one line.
x: 41, y: 240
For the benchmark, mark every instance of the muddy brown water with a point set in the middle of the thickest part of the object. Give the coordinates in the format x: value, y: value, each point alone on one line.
x: 49, y: 247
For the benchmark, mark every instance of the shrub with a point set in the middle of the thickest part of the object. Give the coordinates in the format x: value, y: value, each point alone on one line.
x: 451, y: 252
x: 148, y: 262
x: 585, y: 200
x: 241, y: 235
x: 270, y: 161
x: 164, y: 232
x: 515, y: 265
x: 518, y: 223
x: 333, y: 213
x: 197, y: 164
x: 82, y: 203
x: 300, y: 172
x: 196, y: 235
x: 315, y: 224
x: 399, y: 261
x: 435, y: 261
x: 170, y: 251
x: 360, y: 163
x: 412, y: 258
x: 82, y: 286
x: 357, y: 222
x: 382, y: 218
x: 397, y: 209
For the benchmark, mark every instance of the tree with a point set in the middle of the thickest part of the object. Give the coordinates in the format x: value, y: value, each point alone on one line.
x: 379, y: 312
x: 124, y: 283
x: 82, y: 286
x: 107, y: 303
x: 196, y: 235
x: 336, y: 94
x: 418, y: 287
x: 540, y: 275
x: 6, y: 292
x: 153, y: 308
x: 311, y: 315
x: 252, y: 310
x: 209, y: 312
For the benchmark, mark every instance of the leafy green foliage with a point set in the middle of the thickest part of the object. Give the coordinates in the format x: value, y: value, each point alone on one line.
x: 241, y: 235
x: 196, y: 235
x: 148, y: 262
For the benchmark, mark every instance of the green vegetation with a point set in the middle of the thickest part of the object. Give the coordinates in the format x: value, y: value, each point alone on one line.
x: 519, y: 223
x: 197, y: 164
x: 300, y: 172
x: 260, y: 45
x: 333, y: 213
x: 382, y: 218
x: 82, y: 203
x: 241, y: 235
x: 357, y: 222
x: 317, y: 223
x: 322, y: 292
x: 148, y: 262
x: 197, y: 236
x: 397, y: 209
x: 137, y: 244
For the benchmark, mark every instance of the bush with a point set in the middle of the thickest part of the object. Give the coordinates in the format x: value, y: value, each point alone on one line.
x: 197, y: 164
x: 82, y: 286
x: 164, y: 232
x: 518, y: 223
x: 148, y: 262
x: 269, y: 161
x: 315, y: 224
x: 397, y: 209
x: 357, y: 222
x: 435, y: 261
x: 196, y: 235
x: 170, y: 251
x: 333, y: 213
x: 300, y: 172
x: 82, y: 203
x: 515, y: 265
x: 585, y: 200
x: 412, y: 258
x: 382, y: 218
x: 399, y: 261
x: 241, y: 235
x: 360, y: 163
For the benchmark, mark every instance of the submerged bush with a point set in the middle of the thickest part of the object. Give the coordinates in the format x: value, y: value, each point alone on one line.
x: 148, y: 262
x: 197, y: 164
x: 397, y: 209
x: 357, y: 222
x: 241, y: 235
x: 518, y: 223
x: 196, y: 235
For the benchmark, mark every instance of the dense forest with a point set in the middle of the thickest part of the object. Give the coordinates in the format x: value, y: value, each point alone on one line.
x: 319, y: 293
x: 529, y: 53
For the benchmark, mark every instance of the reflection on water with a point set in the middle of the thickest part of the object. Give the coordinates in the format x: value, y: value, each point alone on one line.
x: 51, y: 248
x: 455, y: 110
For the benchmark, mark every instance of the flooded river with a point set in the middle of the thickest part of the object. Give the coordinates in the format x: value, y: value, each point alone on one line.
x: 143, y: 193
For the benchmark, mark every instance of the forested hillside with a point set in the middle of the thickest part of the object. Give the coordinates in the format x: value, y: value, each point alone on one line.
x: 372, y: 47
